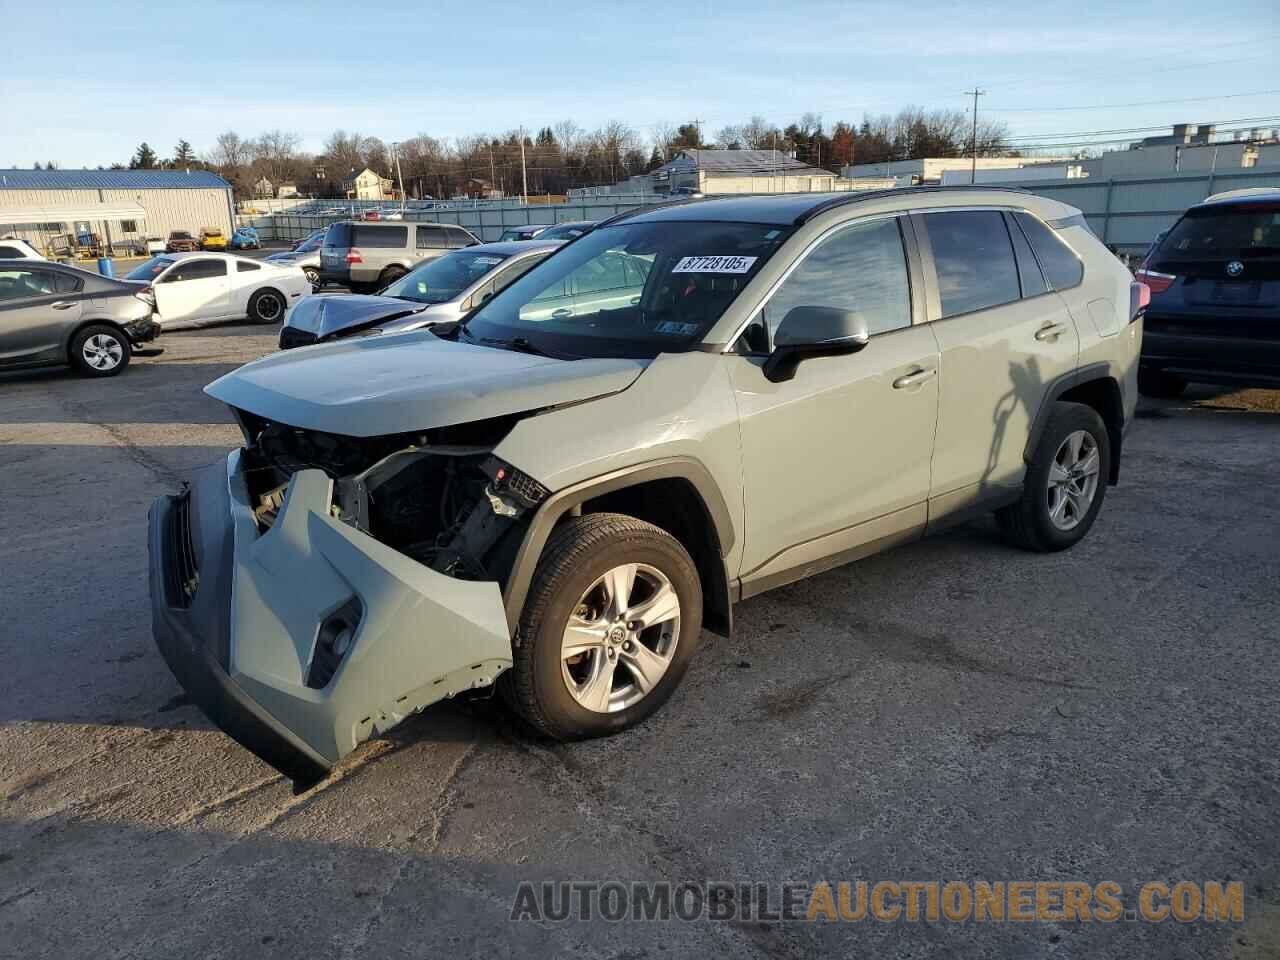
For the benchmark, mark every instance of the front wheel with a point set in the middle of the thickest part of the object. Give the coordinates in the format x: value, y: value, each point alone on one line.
x: 610, y: 624
x: 1065, y: 483
x: 266, y: 306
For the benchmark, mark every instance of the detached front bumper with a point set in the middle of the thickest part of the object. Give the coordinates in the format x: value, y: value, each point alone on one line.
x: 244, y: 621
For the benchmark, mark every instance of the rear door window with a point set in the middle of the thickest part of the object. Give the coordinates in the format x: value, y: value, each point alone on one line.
x: 1032, y: 280
x: 10, y: 253
x: 432, y: 237
x: 27, y: 284
x: 973, y: 258
x: 365, y: 235
x: 1062, y: 268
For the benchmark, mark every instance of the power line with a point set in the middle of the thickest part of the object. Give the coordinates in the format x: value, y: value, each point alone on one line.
x: 1139, y: 103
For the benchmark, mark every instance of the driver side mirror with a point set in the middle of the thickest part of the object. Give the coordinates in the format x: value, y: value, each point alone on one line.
x: 808, y: 332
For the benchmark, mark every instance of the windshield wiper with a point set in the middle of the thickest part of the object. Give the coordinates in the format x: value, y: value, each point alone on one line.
x: 522, y: 345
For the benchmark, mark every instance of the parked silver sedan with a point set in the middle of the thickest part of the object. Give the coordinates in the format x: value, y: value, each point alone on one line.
x: 53, y: 314
x: 305, y: 255
x: 436, y: 291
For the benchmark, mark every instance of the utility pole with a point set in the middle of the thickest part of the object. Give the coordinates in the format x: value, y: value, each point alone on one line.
x: 975, y: 93
x: 524, y: 172
x: 395, y: 151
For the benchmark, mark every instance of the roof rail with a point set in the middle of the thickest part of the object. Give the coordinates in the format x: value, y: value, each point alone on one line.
x: 860, y: 195
x: 627, y: 214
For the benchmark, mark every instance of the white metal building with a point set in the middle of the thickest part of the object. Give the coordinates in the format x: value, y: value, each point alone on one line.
x: 121, y: 206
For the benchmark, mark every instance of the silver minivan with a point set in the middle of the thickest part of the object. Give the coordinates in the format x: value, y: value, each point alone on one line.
x: 366, y: 255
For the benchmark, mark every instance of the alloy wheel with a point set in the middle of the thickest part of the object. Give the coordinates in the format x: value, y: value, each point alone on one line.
x: 1073, y: 480
x: 629, y: 618
x: 102, y: 352
x: 268, y: 307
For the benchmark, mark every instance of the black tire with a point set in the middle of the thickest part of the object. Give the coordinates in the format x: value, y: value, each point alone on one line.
x: 579, y: 552
x: 98, y: 343
x: 1160, y: 385
x: 1027, y: 523
x: 390, y: 276
x: 267, y: 305
x: 313, y: 278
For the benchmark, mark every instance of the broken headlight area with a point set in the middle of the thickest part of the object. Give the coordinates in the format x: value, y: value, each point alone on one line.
x: 439, y: 496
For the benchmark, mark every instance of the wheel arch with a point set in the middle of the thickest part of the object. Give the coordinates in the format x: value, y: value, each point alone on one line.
x: 1095, y: 386
x: 82, y: 324
x: 677, y: 495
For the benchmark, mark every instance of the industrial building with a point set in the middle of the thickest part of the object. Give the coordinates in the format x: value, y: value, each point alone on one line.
x: 930, y: 170
x: 120, y: 208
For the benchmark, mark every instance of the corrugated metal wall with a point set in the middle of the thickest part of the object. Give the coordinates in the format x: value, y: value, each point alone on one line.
x: 189, y: 209
x: 1128, y: 212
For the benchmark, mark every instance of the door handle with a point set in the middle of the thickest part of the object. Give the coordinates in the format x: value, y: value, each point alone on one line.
x: 62, y: 305
x: 915, y: 378
x: 1051, y: 332
x: 562, y: 313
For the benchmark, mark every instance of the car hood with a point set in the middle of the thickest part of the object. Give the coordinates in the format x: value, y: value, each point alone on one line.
x: 412, y: 381
x: 325, y: 316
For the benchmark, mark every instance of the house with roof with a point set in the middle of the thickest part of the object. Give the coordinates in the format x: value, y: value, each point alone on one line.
x: 368, y: 185
x: 121, y: 206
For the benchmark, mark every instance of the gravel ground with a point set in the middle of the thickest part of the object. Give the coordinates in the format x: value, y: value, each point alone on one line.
x: 951, y: 710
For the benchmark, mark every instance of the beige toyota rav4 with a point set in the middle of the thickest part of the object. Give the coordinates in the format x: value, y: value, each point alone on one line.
x: 684, y: 407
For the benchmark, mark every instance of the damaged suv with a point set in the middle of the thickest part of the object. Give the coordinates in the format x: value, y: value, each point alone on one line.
x: 558, y: 492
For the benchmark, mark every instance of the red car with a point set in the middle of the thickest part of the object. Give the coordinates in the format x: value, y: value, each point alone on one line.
x: 180, y: 241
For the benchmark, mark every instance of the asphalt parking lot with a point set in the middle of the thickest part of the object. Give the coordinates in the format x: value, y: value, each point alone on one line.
x: 952, y: 710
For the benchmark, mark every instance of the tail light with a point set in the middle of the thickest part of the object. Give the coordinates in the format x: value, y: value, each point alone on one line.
x: 147, y: 296
x: 1157, y: 282
x: 1139, y: 299
x: 353, y: 256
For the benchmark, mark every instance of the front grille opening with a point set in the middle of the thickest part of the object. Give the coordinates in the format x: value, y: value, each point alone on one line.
x: 186, y: 572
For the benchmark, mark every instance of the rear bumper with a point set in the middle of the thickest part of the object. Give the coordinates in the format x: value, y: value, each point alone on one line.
x: 239, y: 618
x: 1212, y: 359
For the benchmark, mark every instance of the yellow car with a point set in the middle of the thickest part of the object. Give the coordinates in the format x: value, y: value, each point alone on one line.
x: 211, y: 239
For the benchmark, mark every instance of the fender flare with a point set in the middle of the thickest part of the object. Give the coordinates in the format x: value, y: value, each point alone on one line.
x: 561, y: 502
x: 1102, y: 370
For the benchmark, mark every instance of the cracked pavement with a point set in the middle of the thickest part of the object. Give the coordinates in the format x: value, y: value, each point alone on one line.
x: 951, y: 710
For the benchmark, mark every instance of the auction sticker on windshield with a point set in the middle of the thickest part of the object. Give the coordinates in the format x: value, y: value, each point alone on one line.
x: 713, y: 265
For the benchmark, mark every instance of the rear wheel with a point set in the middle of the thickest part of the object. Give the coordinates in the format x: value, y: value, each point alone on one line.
x: 313, y: 278
x: 1160, y: 385
x: 100, y: 351
x: 1065, y: 483
x: 609, y: 627
x: 266, y: 306
x: 390, y: 276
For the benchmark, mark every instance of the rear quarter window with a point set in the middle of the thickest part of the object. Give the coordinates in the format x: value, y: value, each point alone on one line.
x: 1062, y: 268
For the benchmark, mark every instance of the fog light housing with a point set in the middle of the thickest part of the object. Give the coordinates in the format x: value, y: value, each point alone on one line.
x: 334, y: 641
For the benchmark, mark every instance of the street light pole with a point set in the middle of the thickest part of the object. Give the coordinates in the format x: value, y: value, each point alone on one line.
x: 973, y: 170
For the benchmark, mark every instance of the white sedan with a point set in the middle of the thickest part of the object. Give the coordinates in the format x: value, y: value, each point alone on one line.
x: 208, y: 287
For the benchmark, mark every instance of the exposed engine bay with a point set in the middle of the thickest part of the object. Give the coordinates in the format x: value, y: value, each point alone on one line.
x: 439, y: 496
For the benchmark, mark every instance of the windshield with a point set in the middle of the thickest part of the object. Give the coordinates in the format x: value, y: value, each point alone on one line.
x: 149, y: 270
x: 630, y: 290
x: 444, y: 277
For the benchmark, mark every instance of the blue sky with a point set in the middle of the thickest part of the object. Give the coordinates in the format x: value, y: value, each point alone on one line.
x: 82, y: 84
